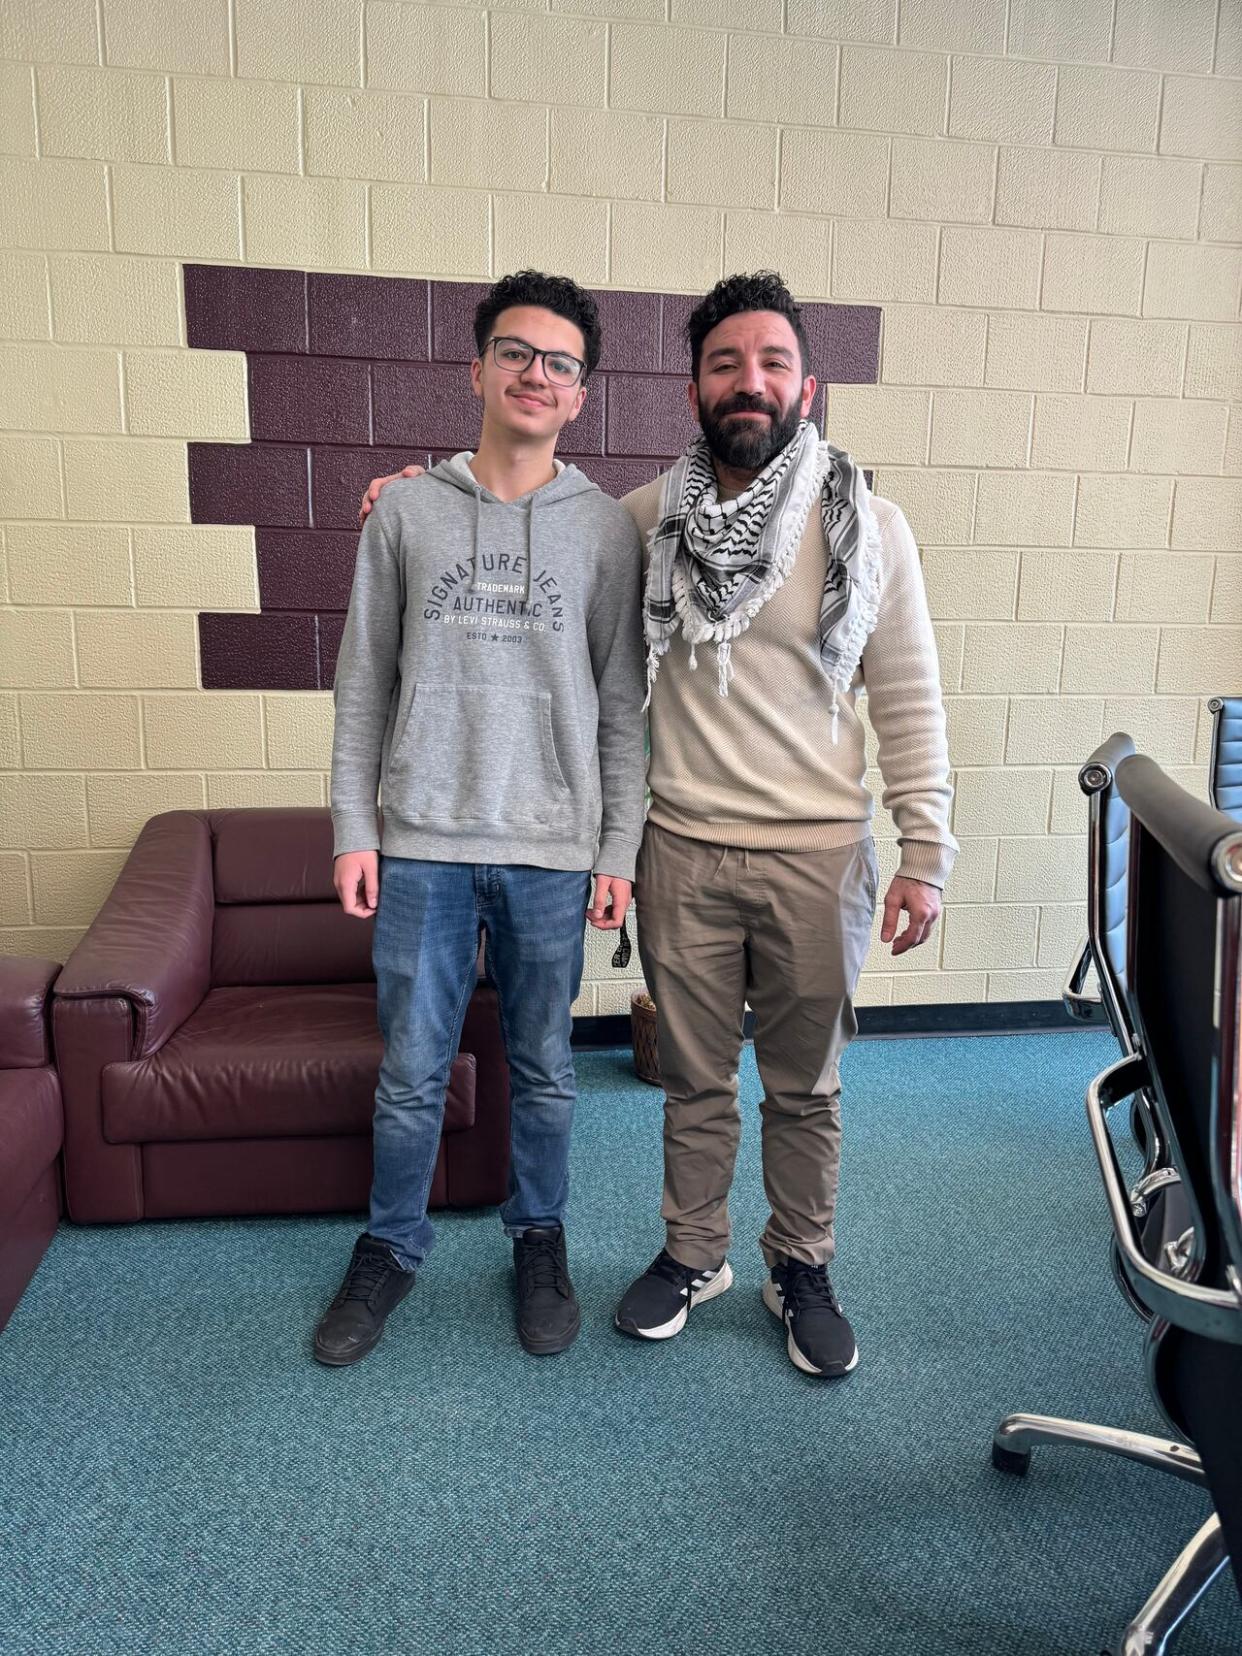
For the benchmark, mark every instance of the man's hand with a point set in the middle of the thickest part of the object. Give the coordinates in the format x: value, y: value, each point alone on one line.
x: 921, y: 902
x: 612, y: 899
x: 378, y: 483
x: 355, y: 874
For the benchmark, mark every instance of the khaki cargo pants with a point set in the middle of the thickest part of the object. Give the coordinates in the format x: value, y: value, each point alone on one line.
x: 788, y: 931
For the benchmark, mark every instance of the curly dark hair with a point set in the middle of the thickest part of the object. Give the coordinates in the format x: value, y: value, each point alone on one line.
x: 763, y: 291
x: 554, y: 293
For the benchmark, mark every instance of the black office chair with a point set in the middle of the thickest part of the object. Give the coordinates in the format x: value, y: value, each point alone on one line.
x: 1225, y: 765
x: 1184, y: 991
x: 1156, y: 1199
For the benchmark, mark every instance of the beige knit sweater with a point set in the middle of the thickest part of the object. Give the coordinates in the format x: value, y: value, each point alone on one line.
x: 758, y: 768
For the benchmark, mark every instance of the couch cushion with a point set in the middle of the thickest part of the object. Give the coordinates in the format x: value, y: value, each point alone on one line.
x: 264, y: 1063
x: 278, y: 918
x: 32, y: 1130
x: 289, y: 943
x: 279, y: 854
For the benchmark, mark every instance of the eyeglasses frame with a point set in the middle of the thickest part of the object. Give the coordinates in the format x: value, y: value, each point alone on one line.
x: 515, y: 339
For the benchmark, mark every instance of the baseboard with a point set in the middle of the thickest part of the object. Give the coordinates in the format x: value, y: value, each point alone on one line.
x: 889, y: 1022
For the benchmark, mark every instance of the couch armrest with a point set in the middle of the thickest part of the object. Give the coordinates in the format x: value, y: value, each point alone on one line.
x: 150, y: 943
x: 24, y: 986
x: 103, y: 1182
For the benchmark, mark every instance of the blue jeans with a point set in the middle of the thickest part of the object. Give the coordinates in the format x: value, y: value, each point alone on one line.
x: 425, y: 948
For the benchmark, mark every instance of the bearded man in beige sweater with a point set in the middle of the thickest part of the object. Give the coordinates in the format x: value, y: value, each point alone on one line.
x: 757, y: 878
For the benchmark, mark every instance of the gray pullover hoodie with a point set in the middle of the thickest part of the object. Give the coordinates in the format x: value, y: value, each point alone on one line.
x: 490, y: 679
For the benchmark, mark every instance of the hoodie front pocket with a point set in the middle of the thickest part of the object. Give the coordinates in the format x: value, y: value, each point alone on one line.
x: 477, y: 754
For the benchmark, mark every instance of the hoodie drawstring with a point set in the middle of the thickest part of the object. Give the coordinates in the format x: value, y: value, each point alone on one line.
x: 476, y: 572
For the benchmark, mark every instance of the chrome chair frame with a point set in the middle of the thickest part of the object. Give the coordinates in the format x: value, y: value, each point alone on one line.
x: 1096, y: 781
x: 1170, y: 1292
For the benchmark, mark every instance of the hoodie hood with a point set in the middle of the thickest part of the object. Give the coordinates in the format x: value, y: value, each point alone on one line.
x: 533, y: 507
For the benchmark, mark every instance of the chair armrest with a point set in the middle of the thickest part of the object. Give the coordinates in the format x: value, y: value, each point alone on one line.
x: 1214, y: 1313
x: 1099, y: 770
x: 24, y: 986
x: 150, y: 943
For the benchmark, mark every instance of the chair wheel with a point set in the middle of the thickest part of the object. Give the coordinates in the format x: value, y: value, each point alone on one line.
x: 1017, y: 1461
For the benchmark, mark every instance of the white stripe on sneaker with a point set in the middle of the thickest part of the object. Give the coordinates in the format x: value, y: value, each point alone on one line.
x: 703, y: 1287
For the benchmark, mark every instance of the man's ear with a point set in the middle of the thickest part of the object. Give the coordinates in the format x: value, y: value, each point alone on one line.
x: 809, y: 388
x: 578, y: 402
x: 476, y: 378
x: 692, y: 397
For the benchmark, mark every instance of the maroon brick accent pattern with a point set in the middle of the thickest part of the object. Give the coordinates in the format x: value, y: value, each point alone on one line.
x: 354, y: 376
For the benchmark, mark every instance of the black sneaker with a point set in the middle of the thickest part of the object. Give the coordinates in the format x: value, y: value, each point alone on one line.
x: 820, y: 1341
x: 374, y: 1285
x: 656, y: 1306
x: 548, y: 1315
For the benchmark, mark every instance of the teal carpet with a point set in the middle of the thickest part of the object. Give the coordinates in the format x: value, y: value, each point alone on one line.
x: 177, y: 1477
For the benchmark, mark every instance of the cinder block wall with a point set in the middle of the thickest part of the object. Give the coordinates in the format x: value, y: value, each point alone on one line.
x: 1042, y: 197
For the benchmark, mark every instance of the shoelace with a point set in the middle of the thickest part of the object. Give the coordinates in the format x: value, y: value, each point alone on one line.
x: 368, y: 1274
x: 540, y: 1264
x: 807, y: 1287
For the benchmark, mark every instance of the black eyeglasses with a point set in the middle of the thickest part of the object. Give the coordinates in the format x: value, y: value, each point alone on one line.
x: 515, y: 357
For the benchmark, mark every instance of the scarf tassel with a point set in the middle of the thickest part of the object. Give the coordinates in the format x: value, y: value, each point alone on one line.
x: 724, y: 666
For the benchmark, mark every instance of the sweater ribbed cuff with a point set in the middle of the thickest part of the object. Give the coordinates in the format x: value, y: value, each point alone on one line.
x: 616, y: 858
x: 354, y: 831
x: 926, y: 860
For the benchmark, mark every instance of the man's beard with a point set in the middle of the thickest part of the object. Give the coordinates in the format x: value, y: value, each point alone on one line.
x: 748, y: 445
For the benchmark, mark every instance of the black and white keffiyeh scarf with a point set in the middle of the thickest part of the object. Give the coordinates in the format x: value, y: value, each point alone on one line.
x: 714, y: 564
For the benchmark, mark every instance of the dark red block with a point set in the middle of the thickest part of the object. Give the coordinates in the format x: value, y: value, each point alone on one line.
x: 585, y: 435
x: 305, y: 569
x: 339, y: 478
x: 309, y: 400
x: 258, y: 652
x: 615, y: 477
x: 631, y: 329
x: 239, y: 308
x: 369, y: 316
x: 453, y: 305
x: 675, y: 353
x: 845, y: 343
x: 256, y: 483
x: 648, y: 415
x: 330, y: 629
x: 425, y: 405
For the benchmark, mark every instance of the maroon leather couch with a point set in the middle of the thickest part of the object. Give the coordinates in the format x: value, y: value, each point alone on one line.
x: 31, y: 1126
x: 217, y: 1041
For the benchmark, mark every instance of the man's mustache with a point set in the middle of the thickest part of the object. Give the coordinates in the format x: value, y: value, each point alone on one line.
x: 742, y: 404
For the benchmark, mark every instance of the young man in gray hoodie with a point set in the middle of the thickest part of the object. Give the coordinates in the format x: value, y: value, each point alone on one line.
x: 490, y: 684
